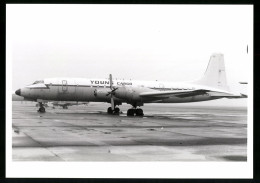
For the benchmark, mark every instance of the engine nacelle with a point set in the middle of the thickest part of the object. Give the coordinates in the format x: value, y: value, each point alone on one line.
x: 103, y: 95
x: 131, y: 94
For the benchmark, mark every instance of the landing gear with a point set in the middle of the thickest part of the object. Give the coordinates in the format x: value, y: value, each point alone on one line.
x: 137, y: 112
x: 130, y: 112
x: 41, y: 109
x: 65, y: 107
x: 109, y: 110
x: 115, y: 111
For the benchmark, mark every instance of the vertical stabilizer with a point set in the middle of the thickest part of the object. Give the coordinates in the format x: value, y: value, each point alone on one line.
x: 215, y: 74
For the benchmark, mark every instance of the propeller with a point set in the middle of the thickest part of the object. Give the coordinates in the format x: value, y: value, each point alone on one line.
x: 112, y: 92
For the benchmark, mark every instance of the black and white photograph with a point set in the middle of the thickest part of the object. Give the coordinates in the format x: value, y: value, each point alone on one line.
x: 129, y: 91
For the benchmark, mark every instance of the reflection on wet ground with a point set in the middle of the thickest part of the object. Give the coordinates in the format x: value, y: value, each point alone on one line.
x: 165, y: 133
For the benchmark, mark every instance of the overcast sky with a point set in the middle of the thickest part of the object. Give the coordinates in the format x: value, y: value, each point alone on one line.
x: 144, y: 42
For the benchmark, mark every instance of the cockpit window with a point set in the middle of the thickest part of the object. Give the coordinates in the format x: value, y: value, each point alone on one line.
x: 39, y: 81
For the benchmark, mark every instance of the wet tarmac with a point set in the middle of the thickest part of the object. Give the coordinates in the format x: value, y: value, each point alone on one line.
x: 165, y: 133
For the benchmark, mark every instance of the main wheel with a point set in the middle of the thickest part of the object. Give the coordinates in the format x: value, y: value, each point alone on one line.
x: 139, y: 112
x: 117, y: 110
x: 109, y: 110
x: 130, y: 112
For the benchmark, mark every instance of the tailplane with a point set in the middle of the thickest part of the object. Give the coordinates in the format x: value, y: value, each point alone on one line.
x: 215, y: 74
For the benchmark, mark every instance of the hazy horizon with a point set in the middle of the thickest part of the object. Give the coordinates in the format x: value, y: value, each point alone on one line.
x: 140, y: 42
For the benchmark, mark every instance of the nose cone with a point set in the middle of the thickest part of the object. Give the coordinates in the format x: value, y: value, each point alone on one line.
x: 18, y: 92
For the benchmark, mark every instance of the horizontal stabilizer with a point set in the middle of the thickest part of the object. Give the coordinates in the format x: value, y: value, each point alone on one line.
x: 237, y: 96
x: 243, y: 83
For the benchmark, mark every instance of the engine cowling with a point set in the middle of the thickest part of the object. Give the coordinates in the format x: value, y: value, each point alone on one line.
x: 101, y: 94
x: 131, y: 94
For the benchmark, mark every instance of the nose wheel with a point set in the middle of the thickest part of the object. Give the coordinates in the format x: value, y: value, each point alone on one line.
x: 135, y: 112
x: 41, y: 109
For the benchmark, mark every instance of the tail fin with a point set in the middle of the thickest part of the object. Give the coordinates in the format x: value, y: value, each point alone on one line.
x: 215, y: 74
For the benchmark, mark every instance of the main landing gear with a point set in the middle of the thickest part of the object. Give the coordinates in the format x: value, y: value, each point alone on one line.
x: 111, y: 111
x: 65, y: 107
x: 41, y: 109
x: 136, y: 112
x: 130, y: 112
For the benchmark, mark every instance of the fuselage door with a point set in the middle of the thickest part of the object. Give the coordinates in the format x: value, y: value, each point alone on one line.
x: 64, y: 86
x: 161, y: 86
x: 67, y: 90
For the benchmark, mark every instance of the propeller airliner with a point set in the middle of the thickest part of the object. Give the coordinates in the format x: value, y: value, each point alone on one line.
x: 212, y: 85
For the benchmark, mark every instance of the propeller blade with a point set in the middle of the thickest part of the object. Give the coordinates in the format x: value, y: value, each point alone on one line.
x: 110, y: 81
x: 112, y: 90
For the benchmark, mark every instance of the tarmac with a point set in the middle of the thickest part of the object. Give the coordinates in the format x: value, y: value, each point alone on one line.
x: 165, y: 133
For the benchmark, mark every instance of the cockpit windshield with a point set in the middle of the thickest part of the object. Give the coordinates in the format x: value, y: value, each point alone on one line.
x: 39, y: 81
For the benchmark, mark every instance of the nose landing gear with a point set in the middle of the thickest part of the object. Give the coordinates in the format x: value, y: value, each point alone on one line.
x: 41, y: 109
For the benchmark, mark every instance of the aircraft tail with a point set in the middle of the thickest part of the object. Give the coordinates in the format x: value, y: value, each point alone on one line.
x: 215, y: 74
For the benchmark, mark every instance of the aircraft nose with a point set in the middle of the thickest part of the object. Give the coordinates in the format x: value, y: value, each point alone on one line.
x: 18, y: 92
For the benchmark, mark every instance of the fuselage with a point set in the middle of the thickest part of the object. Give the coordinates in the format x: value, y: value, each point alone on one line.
x: 96, y: 90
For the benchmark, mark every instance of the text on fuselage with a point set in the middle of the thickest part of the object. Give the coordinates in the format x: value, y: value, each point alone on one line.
x: 107, y: 83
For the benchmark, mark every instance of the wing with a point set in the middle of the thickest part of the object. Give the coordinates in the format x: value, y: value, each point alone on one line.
x: 190, y: 93
x: 167, y: 94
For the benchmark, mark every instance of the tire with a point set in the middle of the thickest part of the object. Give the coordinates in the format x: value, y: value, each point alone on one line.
x: 117, y: 110
x: 130, y: 112
x: 139, y: 112
x: 42, y: 109
x: 109, y: 110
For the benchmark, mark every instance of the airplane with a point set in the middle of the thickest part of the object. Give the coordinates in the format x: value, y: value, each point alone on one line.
x: 212, y: 85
